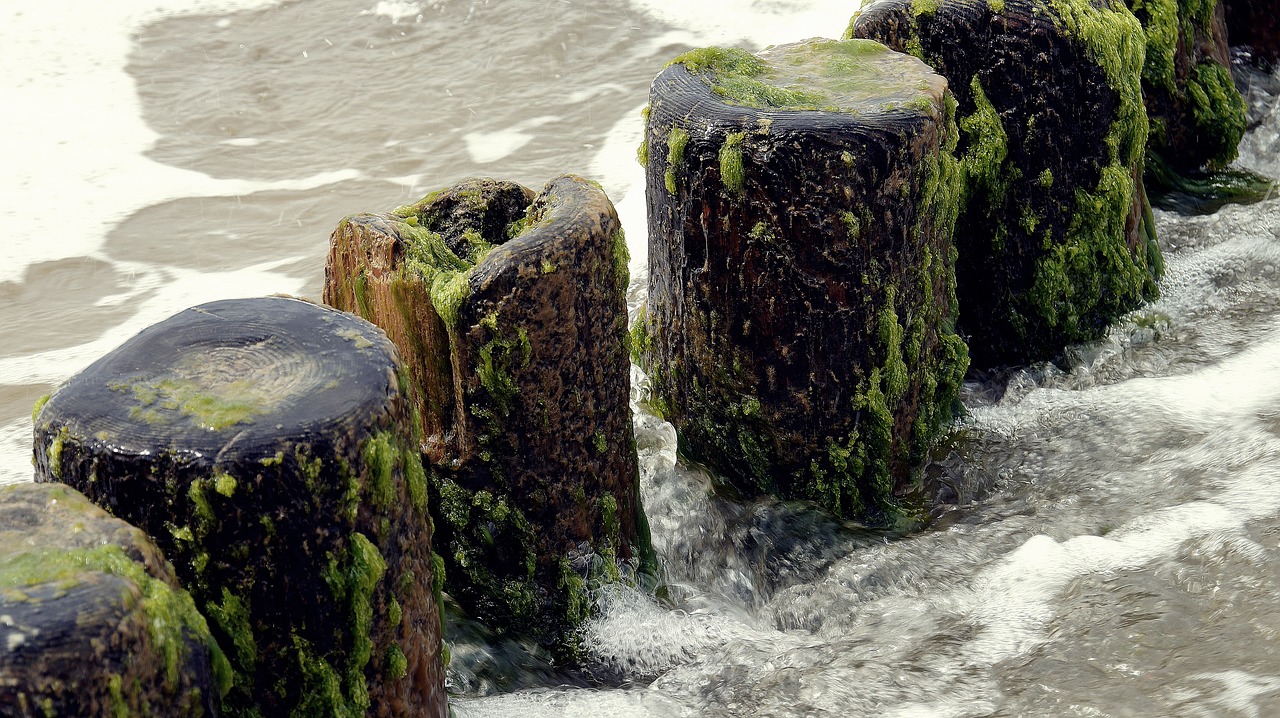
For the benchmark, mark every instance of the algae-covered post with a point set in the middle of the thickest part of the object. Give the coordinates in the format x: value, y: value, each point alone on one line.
x: 92, y: 621
x: 513, y: 312
x: 1055, y: 237
x: 1197, y: 117
x: 268, y: 446
x: 800, y: 321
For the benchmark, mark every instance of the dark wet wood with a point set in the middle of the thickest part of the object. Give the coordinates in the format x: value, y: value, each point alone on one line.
x: 268, y: 446
x: 525, y: 394
x: 80, y: 593
x: 1256, y: 24
x: 779, y: 305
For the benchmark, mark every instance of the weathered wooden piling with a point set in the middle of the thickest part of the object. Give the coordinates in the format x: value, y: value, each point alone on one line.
x: 1055, y: 235
x: 92, y: 621
x: 268, y: 446
x: 511, y: 308
x: 1197, y: 116
x: 799, y: 331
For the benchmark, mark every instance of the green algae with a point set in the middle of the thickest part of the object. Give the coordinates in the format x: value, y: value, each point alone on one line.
x: 55, y: 451
x: 642, y: 151
x: 1218, y: 109
x: 397, y: 666
x: 232, y: 616
x: 35, y: 408
x: 924, y: 7
x: 382, y: 454
x: 732, y: 173
x: 215, y: 408
x: 677, y: 139
x: 1160, y: 26
x: 640, y: 341
x: 224, y: 484
x: 985, y: 161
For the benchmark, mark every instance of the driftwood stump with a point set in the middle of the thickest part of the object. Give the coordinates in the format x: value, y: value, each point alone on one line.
x: 92, y: 621
x: 512, y: 312
x: 267, y: 445
x: 799, y: 326
x: 1055, y: 235
x: 1197, y: 116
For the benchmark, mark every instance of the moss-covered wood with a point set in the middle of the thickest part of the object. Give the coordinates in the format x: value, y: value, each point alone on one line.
x: 269, y: 447
x: 92, y: 621
x: 799, y: 331
x: 512, y: 309
x: 1055, y: 235
x: 1197, y: 117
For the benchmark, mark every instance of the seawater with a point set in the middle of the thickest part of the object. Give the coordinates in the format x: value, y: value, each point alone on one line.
x: 1107, y: 540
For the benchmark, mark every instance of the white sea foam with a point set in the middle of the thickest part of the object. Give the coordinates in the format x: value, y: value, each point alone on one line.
x: 758, y: 22
x: 396, y: 10
x: 487, y: 147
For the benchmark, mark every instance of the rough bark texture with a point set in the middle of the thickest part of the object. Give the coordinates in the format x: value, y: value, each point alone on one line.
x: 267, y: 446
x: 513, y: 309
x: 799, y: 326
x: 1055, y: 236
x: 92, y: 621
x: 1197, y: 116
x: 1256, y: 24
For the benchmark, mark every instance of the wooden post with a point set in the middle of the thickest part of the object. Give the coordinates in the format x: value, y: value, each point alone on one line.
x: 1196, y: 114
x: 1055, y: 236
x: 799, y: 327
x: 512, y: 310
x: 94, y: 622
x: 268, y: 446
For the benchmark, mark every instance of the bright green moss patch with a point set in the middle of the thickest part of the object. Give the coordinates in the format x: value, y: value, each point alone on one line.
x: 224, y: 484
x: 851, y: 75
x: 397, y: 666
x: 382, y: 455
x: 736, y: 74
x: 1159, y: 20
x: 890, y: 331
x: 984, y: 167
x: 732, y: 173
x: 924, y: 7
x: 642, y: 152
x: 641, y: 343
x: 500, y: 358
x: 1218, y: 109
x: 35, y: 409
x: 677, y: 139
x: 55, y: 451
x: 232, y: 616
x: 415, y: 481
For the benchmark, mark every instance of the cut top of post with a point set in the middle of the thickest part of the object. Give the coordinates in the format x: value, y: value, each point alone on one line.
x: 846, y: 76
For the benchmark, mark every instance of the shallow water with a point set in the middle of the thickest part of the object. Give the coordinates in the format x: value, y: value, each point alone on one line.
x: 1109, y: 541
